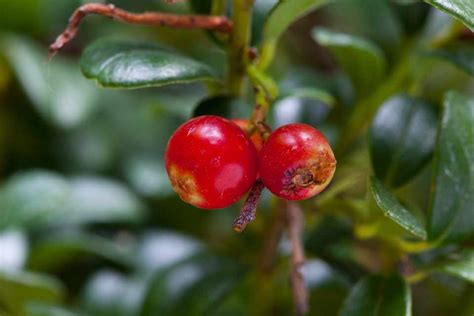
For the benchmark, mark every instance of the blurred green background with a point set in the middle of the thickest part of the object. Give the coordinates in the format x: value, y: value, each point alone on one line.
x: 89, y: 224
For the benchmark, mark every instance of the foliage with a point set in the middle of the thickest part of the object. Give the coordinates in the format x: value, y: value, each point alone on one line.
x: 89, y: 224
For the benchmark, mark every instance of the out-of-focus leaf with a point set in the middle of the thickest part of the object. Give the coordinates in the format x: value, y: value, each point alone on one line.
x: 363, y: 61
x: 392, y: 208
x: 284, y: 14
x: 201, y: 6
x: 56, y: 89
x: 460, y: 265
x: 223, y: 105
x: 138, y: 65
x: 148, y: 176
x: 36, y: 198
x: 379, y: 296
x: 462, y: 57
x: 58, y: 250
x: 178, y: 289
x: 40, y: 309
x: 14, y: 246
x: 462, y: 10
x: 402, y: 137
x: 109, y: 293
x: 160, y: 249
x: 261, y: 9
x: 18, y: 288
x: 451, y: 217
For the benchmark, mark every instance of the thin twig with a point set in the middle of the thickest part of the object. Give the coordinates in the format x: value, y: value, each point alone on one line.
x: 249, y: 210
x: 217, y: 23
x: 272, y: 239
x: 295, y: 223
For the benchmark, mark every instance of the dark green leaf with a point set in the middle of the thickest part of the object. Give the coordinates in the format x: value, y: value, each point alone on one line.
x: 223, y: 105
x: 362, y: 60
x: 60, y: 249
x: 402, y: 137
x: 201, y: 6
x: 392, y: 208
x: 452, y: 200
x: 462, y: 10
x: 35, y: 198
x: 377, y: 295
x: 462, y: 57
x: 56, y: 89
x: 138, y: 65
x: 284, y: 14
x: 17, y: 288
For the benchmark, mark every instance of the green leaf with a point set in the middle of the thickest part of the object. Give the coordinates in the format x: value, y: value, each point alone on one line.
x: 402, y: 137
x: 462, y: 10
x: 363, y: 61
x: 377, y: 295
x: 451, y: 216
x: 17, y: 288
x: 58, y: 250
x: 460, y: 265
x: 56, y: 89
x: 393, y: 209
x: 462, y: 57
x: 139, y: 65
x: 40, y: 309
x: 38, y: 198
x: 284, y: 14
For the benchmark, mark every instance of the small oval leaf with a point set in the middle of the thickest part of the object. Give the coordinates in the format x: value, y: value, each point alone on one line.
x: 462, y: 10
x: 138, y: 65
x: 452, y: 199
x: 393, y: 209
x: 402, y: 137
x: 377, y: 295
x: 363, y: 61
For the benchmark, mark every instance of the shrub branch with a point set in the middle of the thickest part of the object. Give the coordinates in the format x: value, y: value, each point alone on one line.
x: 217, y: 23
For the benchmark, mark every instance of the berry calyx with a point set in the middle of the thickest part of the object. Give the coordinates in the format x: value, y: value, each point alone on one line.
x: 210, y: 162
x: 296, y: 162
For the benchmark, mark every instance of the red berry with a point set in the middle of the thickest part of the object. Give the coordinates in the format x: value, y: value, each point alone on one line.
x: 210, y: 162
x: 296, y: 162
x: 256, y: 137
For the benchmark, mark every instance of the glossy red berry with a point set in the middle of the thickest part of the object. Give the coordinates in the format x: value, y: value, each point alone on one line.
x: 256, y: 137
x: 296, y: 162
x: 210, y: 162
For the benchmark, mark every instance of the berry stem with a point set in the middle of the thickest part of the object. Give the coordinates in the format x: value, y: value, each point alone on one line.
x: 249, y: 210
x: 217, y: 23
x: 295, y: 224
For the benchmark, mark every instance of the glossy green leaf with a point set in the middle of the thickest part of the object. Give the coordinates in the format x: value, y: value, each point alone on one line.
x: 452, y: 200
x: 393, y: 209
x: 18, y: 288
x: 138, y: 65
x: 462, y: 57
x: 363, y: 61
x: 37, y: 198
x: 61, y: 249
x: 284, y: 14
x: 462, y: 10
x: 377, y: 295
x: 402, y: 137
x: 56, y: 89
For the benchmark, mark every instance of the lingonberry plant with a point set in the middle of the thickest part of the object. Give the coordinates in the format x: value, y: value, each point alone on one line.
x: 244, y: 106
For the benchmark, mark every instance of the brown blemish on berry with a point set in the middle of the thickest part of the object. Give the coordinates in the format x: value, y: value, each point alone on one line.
x: 184, y: 184
x: 311, y: 175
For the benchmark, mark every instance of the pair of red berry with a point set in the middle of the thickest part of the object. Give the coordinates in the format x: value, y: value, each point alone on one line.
x: 212, y: 163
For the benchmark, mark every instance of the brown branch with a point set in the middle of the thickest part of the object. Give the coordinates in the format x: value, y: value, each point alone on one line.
x: 217, y: 23
x: 295, y: 223
x: 249, y: 210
